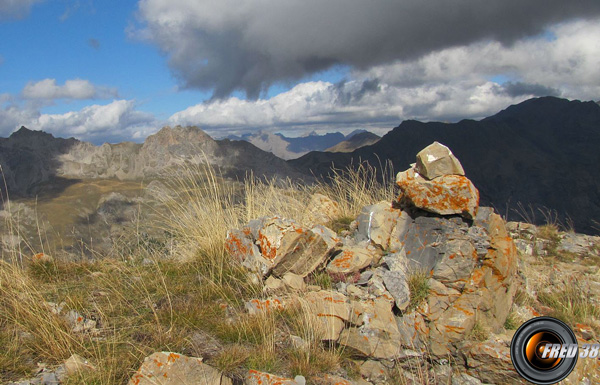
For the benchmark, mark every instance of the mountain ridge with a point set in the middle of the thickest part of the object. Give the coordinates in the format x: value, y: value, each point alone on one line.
x: 526, y: 160
x: 31, y: 159
x: 293, y: 147
x: 354, y: 142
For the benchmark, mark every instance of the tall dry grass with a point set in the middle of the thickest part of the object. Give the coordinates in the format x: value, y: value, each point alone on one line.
x: 359, y: 185
x: 147, y: 300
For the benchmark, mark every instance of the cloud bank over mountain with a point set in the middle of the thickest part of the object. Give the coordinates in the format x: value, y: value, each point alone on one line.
x: 263, y: 63
x: 447, y: 85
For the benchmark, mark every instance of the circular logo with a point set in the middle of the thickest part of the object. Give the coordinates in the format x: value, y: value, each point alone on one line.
x: 544, y: 350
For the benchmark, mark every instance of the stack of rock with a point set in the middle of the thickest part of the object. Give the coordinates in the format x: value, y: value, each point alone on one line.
x: 435, y: 228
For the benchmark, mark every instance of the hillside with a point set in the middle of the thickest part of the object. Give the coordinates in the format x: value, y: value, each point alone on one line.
x: 539, y: 154
x: 35, y: 162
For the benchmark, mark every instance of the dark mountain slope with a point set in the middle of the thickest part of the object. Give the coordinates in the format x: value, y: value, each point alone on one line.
x: 355, y: 141
x: 544, y: 152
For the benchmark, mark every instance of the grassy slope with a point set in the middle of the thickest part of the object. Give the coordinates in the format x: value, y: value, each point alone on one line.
x: 145, y: 302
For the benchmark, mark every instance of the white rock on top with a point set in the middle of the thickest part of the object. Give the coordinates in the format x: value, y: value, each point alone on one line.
x: 437, y: 160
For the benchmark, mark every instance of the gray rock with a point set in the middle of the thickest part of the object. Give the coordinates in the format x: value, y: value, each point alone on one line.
x: 49, y: 378
x: 437, y: 160
x: 396, y: 283
x: 490, y: 361
x: 579, y: 244
x: 374, y: 371
x: 456, y: 262
x: 424, y: 237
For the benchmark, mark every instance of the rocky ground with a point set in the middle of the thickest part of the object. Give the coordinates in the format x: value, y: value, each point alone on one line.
x: 426, y: 289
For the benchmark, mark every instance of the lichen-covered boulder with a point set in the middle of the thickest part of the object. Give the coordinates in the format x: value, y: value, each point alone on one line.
x: 279, y: 245
x: 444, y: 195
x: 350, y: 260
x: 332, y: 310
x: 472, y: 274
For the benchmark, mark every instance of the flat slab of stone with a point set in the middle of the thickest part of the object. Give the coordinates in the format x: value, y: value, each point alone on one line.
x: 332, y: 309
x: 350, y: 260
x: 167, y: 368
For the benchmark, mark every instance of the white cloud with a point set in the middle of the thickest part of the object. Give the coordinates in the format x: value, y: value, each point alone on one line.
x: 47, y: 89
x: 344, y: 107
x: 113, y: 122
x: 12, y: 117
x: 569, y: 62
x: 16, y: 8
x: 468, y: 81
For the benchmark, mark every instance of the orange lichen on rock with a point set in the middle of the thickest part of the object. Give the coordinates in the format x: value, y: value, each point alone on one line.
x: 445, y: 195
x: 267, y: 250
x: 237, y: 246
x: 41, y: 257
x: 254, y: 377
x: 257, y: 305
x: 350, y: 260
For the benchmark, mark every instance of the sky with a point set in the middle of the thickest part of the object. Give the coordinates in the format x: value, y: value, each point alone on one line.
x: 116, y: 70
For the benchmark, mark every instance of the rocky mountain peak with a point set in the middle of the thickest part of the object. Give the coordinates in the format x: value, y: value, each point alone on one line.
x: 177, y: 135
x: 31, y: 137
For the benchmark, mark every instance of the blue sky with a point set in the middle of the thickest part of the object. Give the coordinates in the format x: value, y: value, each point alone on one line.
x: 88, y: 40
x: 120, y: 70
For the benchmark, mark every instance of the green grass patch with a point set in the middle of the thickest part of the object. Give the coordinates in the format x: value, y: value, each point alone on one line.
x: 418, y: 284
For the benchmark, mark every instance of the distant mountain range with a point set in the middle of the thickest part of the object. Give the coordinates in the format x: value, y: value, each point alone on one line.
x: 290, y: 148
x: 34, y: 161
x: 542, y: 154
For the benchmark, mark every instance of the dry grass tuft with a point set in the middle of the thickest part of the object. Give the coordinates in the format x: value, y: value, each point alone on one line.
x: 360, y: 185
x: 418, y: 284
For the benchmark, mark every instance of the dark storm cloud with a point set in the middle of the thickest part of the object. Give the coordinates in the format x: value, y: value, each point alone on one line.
x: 231, y: 45
x: 346, y: 95
x: 519, y: 89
